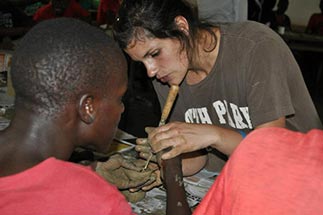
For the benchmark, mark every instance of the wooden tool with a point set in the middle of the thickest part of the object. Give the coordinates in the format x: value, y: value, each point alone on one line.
x: 171, y: 169
x: 173, y: 91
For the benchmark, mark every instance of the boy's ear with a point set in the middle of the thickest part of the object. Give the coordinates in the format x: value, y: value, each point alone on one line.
x: 182, y: 24
x: 87, y: 109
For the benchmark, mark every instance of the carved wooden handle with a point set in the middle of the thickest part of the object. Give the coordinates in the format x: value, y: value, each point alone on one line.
x: 173, y: 91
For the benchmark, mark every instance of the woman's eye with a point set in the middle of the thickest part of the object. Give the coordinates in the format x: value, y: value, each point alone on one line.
x: 154, y: 54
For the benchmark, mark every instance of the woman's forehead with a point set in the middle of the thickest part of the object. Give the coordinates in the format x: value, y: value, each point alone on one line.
x: 139, y: 34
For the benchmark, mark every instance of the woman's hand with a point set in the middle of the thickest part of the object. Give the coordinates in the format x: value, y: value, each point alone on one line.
x: 181, y: 138
x: 144, y: 149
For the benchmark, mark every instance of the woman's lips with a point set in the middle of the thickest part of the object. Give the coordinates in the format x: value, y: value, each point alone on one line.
x: 164, y: 78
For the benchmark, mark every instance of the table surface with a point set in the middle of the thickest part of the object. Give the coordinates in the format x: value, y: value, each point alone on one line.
x: 303, y: 42
x: 155, y: 200
x: 196, y: 187
x: 302, y: 37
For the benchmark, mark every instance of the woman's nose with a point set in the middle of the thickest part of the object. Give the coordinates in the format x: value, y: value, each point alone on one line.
x: 151, y: 73
x: 151, y: 70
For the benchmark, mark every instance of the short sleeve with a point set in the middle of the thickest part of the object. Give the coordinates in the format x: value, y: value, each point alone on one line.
x: 268, y: 96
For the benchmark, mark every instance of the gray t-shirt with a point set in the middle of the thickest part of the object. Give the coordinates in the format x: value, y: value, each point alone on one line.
x: 223, y: 11
x: 255, y: 80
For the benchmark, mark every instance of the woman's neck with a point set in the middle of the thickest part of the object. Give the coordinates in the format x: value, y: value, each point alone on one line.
x: 205, y: 59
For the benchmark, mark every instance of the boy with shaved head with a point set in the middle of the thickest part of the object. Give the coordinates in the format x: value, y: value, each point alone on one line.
x: 69, y: 79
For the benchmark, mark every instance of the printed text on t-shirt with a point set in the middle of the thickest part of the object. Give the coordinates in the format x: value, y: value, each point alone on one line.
x: 235, y: 116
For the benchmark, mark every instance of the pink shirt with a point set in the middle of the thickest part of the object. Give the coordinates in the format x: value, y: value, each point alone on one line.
x: 273, y: 171
x: 60, y: 188
x: 315, y: 24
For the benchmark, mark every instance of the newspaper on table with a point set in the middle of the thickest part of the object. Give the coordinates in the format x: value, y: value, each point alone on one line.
x: 6, y: 89
x: 155, y: 200
x: 196, y: 187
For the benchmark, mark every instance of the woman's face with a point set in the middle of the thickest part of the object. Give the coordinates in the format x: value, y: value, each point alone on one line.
x: 163, y: 58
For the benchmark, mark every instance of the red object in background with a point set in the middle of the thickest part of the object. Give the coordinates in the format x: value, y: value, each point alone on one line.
x: 73, y: 10
x: 107, y: 5
x: 315, y: 24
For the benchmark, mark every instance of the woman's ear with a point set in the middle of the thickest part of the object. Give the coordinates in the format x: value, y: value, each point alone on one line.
x: 182, y: 24
x: 87, y: 109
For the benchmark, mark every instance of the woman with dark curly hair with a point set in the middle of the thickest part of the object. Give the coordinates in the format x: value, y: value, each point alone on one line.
x: 233, y: 78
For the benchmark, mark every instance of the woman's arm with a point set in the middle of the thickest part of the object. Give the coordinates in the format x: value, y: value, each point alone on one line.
x: 184, y: 138
x: 228, y: 140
